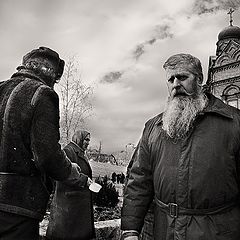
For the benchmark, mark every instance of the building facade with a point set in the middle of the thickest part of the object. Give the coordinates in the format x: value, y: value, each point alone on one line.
x: 224, y: 68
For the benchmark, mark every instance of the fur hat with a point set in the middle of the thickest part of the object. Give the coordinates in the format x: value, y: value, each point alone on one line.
x: 44, y: 61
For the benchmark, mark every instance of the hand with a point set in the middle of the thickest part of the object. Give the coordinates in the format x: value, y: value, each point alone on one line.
x: 89, y: 182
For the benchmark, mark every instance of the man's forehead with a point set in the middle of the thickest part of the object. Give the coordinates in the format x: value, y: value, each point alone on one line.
x: 178, y: 70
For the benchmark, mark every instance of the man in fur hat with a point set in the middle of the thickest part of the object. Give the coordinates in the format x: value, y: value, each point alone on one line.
x: 29, y: 150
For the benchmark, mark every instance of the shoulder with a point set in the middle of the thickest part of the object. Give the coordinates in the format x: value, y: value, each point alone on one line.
x: 43, y: 89
x: 231, y: 111
x: 154, y: 120
x: 69, y: 149
x: 150, y: 124
x: 217, y: 106
x: 44, y: 92
x: 235, y: 113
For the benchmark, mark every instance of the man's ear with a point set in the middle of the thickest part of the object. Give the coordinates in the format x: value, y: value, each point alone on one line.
x: 200, y: 79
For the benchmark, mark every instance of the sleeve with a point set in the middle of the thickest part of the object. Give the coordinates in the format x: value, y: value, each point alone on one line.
x: 138, y: 193
x: 132, y: 161
x: 45, y: 136
x: 81, y: 181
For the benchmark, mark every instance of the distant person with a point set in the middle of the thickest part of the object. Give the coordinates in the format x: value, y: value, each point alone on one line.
x: 117, y: 178
x: 122, y: 178
x: 29, y: 148
x: 71, y: 214
x: 114, y: 177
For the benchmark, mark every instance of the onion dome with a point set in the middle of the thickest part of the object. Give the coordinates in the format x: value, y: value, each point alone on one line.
x: 229, y: 32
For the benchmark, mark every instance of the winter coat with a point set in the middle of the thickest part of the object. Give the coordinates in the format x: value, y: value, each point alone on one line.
x: 29, y: 149
x: 200, y: 174
x: 71, y: 214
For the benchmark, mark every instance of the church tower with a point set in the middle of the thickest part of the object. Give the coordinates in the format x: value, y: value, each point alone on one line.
x: 224, y: 68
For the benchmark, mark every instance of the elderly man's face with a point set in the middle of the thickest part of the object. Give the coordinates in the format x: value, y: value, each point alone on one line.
x: 181, y: 82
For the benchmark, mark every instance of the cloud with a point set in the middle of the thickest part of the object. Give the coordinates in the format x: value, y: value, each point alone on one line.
x: 121, y: 45
x: 139, y: 51
x: 111, y: 77
x: 160, y: 31
x: 122, y: 108
x: 211, y: 6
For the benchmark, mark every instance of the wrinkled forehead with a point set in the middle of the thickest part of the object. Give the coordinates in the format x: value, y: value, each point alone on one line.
x: 180, y: 70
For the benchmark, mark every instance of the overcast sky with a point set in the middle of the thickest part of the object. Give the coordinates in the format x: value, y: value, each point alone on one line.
x: 121, y: 46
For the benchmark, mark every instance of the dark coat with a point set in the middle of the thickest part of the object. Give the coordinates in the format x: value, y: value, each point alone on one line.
x: 201, y: 171
x: 29, y: 148
x: 71, y: 215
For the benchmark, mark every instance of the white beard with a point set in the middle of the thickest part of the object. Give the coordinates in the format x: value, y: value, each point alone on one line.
x: 180, y: 114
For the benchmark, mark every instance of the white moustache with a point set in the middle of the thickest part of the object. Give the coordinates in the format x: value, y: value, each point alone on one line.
x: 181, y: 92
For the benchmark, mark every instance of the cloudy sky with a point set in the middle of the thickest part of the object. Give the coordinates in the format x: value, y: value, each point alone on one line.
x: 120, y: 45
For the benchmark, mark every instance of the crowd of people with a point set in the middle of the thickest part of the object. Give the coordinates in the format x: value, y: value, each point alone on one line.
x: 185, y: 171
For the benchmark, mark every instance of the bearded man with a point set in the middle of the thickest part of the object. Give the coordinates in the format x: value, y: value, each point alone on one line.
x: 187, y: 162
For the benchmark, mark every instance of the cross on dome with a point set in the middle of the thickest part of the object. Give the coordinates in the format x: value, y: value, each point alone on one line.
x: 230, y: 15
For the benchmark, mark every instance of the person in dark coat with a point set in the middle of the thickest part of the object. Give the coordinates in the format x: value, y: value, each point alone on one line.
x: 188, y: 162
x: 114, y: 177
x: 29, y: 150
x: 71, y: 214
x: 122, y: 178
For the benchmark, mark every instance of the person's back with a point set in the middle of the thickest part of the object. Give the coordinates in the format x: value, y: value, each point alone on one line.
x: 29, y: 148
x: 17, y: 166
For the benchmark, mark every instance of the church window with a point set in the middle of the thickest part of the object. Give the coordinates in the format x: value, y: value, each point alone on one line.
x: 231, y: 95
x: 233, y: 102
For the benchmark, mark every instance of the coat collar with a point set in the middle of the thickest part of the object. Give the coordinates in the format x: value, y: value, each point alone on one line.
x: 77, y: 149
x: 215, y: 105
x: 28, y: 74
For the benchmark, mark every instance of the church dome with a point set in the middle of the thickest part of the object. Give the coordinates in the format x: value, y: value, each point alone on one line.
x: 229, y: 32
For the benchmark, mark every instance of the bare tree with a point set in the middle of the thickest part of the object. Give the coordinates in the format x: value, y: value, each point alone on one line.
x: 75, y: 100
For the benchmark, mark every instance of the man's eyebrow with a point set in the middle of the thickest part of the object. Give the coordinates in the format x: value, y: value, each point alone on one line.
x: 181, y: 75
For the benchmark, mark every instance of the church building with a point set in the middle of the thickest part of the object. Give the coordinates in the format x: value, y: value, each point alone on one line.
x: 224, y: 68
